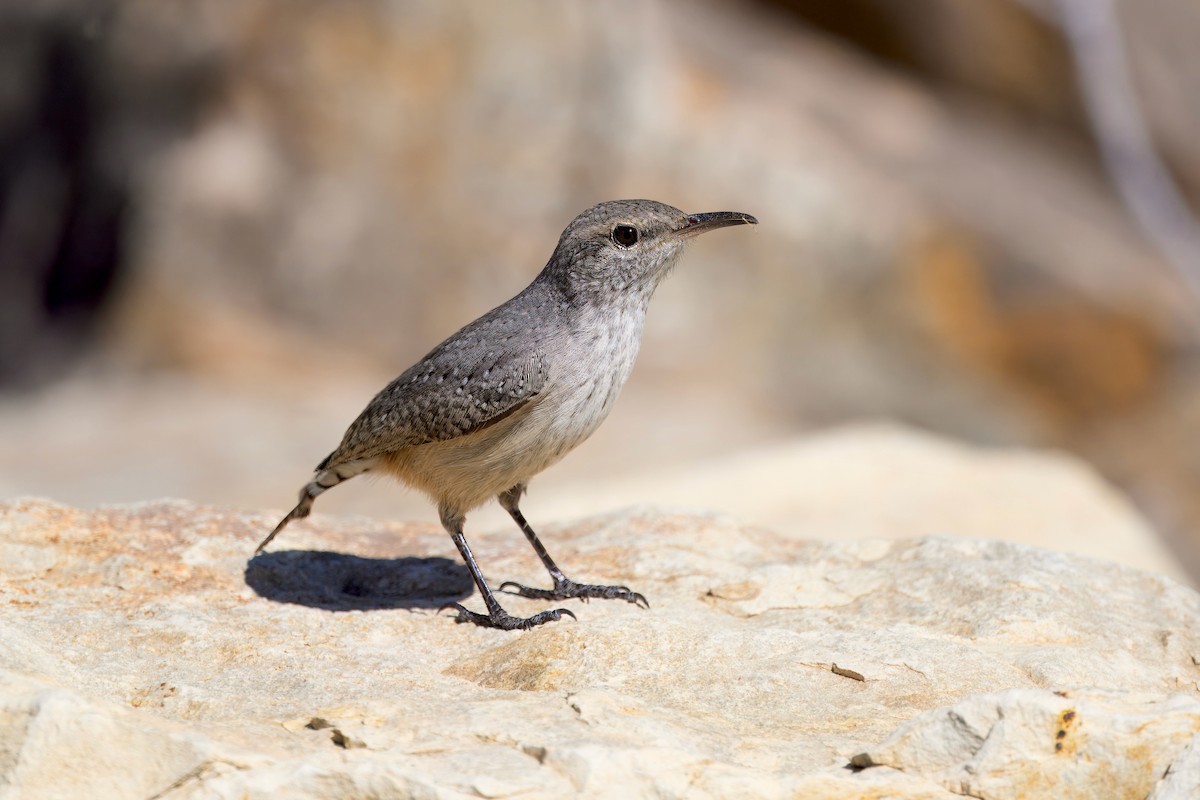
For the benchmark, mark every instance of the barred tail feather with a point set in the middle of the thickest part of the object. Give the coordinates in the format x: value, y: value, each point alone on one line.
x: 326, y: 479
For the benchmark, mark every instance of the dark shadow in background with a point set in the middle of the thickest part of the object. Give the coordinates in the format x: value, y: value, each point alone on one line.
x: 80, y: 117
x: 340, y: 582
x: 62, y: 212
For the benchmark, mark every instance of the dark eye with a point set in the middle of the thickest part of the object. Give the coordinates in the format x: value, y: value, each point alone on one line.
x: 625, y: 235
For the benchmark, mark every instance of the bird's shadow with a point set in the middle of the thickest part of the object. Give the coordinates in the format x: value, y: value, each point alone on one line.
x: 340, y: 582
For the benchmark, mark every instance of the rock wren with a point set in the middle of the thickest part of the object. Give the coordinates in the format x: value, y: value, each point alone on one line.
x: 515, y: 390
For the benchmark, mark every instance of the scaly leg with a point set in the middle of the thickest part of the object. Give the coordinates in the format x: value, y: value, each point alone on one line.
x: 564, y: 587
x: 496, y: 617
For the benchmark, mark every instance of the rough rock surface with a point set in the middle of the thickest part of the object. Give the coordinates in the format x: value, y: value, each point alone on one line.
x: 145, y: 656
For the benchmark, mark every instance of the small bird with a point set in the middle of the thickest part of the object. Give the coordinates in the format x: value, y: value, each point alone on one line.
x: 515, y: 390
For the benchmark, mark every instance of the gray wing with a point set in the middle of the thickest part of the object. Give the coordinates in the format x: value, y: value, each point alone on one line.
x: 472, y: 380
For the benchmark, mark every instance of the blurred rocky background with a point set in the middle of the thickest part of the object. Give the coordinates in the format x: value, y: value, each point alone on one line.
x: 224, y: 226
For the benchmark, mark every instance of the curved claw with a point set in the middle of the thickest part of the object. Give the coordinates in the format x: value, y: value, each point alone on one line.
x: 512, y: 587
x: 564, y: 590
x: 502, y: 620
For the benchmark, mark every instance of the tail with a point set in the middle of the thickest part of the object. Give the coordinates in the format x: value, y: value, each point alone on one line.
x: 326, y: 478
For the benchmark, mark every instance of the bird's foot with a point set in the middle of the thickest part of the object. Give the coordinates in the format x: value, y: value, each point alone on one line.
x: 506, y: 622
x: 567, y: 588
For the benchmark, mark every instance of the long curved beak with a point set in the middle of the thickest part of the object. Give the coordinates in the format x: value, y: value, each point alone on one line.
x: 700, y: 223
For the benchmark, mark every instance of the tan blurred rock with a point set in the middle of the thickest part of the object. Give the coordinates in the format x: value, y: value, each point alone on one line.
x: 873, y: 480
x: 142, y: 635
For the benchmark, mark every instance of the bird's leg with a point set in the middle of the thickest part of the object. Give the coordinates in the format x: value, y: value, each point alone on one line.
x: 496, y: 617
x: 564, y: 587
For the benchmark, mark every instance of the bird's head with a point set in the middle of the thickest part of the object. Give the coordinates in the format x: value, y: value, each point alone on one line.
x: 626, y: 247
